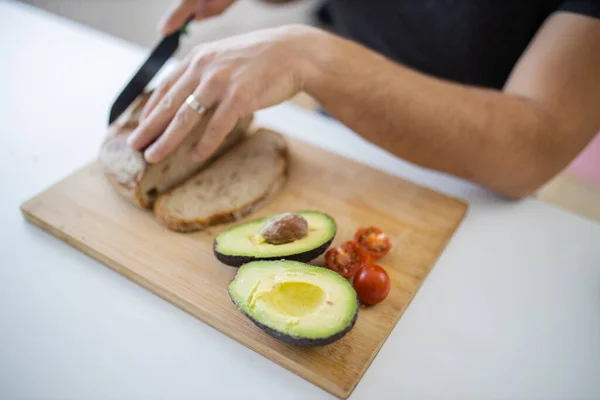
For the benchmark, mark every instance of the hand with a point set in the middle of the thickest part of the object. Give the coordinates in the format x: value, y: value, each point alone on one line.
x: 237, y: 76
x: 200, y: 9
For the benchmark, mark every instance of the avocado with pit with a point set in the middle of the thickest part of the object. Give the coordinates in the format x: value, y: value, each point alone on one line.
x: 273, y: 238
x: 297, y: 303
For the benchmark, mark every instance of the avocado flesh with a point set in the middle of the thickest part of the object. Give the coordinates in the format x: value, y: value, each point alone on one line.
x: 297, y: 303
x: 242, y: 243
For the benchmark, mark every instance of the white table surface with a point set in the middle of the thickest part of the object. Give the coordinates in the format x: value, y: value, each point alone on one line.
x: 511, y: 309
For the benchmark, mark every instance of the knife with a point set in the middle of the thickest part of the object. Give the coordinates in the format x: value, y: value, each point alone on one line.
x: 161, y: 53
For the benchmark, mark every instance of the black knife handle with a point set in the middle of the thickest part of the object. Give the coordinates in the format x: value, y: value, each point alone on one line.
x: 159, y: 56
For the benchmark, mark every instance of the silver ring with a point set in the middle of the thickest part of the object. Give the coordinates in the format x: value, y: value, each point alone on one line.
x: 192, y: 102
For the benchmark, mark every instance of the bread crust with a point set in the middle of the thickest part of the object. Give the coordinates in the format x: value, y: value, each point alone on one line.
x: 130, y: 187
x: 119, y: 130
x: 178, y: 224
x: 125, y: 192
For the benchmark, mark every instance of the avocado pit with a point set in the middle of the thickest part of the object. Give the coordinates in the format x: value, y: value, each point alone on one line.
x: 284, y: 228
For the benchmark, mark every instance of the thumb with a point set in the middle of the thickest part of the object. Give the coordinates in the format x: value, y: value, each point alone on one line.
x: 178, y: 14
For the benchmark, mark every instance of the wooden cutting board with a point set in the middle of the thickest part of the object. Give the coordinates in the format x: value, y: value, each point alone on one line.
x: 84, y: 211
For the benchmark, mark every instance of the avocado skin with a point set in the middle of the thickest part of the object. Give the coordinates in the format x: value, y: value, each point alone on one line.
x: 305, y: 257
x: 299, y: 341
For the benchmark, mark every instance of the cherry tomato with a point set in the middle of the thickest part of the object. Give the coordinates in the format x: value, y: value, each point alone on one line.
x: 373, y: 243
x: 372, y: 284
x: 345, y: 260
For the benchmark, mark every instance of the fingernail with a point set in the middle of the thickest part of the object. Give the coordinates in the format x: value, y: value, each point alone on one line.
x: 198, y: 157
x: 162, y: 25
x: 131, y: 140
x: 150, y: 154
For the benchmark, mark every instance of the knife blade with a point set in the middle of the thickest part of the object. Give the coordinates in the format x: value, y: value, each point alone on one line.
x: 158, y: 57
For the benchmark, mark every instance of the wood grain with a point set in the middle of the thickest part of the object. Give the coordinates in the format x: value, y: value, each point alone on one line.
x: 84, y: 211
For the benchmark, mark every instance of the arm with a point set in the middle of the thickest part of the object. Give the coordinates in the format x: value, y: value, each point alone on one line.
x: 511, y: 142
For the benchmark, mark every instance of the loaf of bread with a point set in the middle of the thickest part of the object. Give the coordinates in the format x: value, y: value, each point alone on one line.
x: 141, y: 183
x: 234, y: 185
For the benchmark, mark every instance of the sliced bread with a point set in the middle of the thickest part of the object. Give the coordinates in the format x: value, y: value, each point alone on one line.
x: 140, y: 182
x: 236, y: 184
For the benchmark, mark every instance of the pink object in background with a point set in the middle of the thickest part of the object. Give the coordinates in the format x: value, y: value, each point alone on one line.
x: 587, y: 164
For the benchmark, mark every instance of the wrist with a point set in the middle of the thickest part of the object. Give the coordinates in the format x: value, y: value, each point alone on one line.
x: 313, y: 55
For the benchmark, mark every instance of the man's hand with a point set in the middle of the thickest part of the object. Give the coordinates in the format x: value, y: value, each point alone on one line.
x: 237, y: 76
x: 200, y: 9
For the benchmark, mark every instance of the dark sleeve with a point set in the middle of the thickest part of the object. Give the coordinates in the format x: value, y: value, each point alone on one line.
x: 590, y: 8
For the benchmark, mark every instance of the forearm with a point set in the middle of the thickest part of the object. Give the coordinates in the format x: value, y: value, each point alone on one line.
x: 491, y: 138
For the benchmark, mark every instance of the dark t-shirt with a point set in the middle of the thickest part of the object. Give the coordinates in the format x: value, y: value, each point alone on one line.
x: 475, y: 42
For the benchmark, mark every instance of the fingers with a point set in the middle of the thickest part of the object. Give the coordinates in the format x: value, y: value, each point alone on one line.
x: 185, y: 120
x: 163, y: 88
x: 200, y: 9
x: 178, y: 14
x: 222, y: 122
x: 212, y: 8
x: 154, y: 124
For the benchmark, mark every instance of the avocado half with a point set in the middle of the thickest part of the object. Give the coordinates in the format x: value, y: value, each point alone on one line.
x: 241, y: 244
x: 296, y: 303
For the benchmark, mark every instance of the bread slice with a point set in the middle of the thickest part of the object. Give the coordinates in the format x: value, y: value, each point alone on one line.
x: 140, y: 182
x: 236, y: 184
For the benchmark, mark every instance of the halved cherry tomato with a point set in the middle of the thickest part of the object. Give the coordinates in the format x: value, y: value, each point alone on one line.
x: 372, y: 284
x: 345, y: 260
x: 373, y: 243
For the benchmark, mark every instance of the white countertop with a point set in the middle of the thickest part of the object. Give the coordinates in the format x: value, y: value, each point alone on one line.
x: 511, y: 309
